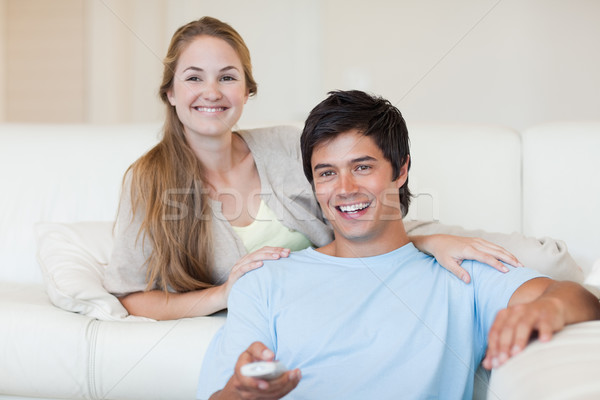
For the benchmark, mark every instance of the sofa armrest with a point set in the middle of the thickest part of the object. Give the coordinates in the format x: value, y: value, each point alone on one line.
x: 566, y: 367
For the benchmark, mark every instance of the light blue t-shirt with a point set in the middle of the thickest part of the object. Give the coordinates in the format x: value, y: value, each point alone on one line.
x: 394, y: 326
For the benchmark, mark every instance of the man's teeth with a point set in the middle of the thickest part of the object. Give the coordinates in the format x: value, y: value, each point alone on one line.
x: 354, y: 207
x: 210, y: 109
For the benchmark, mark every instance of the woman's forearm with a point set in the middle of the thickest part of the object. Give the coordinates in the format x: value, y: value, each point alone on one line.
x: 157, y: 304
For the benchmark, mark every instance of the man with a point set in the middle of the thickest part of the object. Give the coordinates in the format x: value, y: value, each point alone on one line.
x: 368, y: 316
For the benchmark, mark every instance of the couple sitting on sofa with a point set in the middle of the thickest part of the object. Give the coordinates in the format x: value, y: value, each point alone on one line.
x: 164, y: 241
x: 256, y: 209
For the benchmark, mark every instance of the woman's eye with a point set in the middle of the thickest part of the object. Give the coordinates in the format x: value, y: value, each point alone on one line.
x: 193, y: 79
x: 228, y: 78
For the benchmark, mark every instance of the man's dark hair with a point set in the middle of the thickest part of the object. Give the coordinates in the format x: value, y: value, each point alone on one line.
x: 372, y: 116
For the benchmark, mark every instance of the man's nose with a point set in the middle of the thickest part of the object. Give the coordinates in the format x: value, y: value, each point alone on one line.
x: 346, y: 183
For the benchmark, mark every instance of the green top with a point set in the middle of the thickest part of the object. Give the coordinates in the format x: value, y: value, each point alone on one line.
x: 267, y: 230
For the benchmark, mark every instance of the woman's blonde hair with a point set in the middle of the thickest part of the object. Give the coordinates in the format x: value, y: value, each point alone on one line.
x: 168, y: 185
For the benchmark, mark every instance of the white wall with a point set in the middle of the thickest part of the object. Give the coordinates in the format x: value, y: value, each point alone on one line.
x: 2, y: 60
x: 126, y: 44
x: 515, y: 63
x: 44, y: 60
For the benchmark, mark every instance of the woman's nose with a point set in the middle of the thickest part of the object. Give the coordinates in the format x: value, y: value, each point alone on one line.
x: 211, y: 91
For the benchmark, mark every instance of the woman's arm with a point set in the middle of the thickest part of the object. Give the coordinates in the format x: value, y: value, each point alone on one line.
x: 450, y: 251
x: 160, y: 305
x: 545, y: 255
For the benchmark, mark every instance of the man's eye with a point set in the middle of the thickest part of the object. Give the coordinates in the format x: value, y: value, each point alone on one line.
x: 363, y: 167
x: 326, y: 174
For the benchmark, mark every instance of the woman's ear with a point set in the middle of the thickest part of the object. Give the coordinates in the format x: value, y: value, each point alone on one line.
x: 171, y: 97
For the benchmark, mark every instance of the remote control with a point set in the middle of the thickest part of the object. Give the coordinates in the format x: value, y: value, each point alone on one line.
x: 266, y: 370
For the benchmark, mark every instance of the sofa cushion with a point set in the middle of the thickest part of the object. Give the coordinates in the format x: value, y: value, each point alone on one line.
x: 566, y: 367
x: 53, y: 354
x: 72, y: 258
x: 560, y: 190
x: 45, y: 350
x: 456, y: 178
x: 60, y: 173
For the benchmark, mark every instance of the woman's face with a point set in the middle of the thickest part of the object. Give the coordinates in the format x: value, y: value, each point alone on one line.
x: 209, y: 88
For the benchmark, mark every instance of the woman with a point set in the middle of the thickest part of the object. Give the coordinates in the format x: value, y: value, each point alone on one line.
x: 208, y: 204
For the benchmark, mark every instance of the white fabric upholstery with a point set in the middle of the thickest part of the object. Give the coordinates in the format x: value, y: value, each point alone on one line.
x: 561, y: 187
x: 61, y: 176
x: 60, y: 173
x: 456, y: 170
x: 45, y: 354
x: 72, y: 258
x: 567, y: 367
x: 58, y: 354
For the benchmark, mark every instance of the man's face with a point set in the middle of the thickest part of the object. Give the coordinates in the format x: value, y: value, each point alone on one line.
x: 354, y: 186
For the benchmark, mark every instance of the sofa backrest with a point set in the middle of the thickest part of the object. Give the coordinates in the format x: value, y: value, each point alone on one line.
x: 59, y: 173
x: 461, y: 174
x: 467, y: 175
x: 561, y: 186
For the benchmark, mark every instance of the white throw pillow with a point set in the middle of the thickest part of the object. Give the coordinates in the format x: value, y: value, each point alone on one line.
x: 73, y: 258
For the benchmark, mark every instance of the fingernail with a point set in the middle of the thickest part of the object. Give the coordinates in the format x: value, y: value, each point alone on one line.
x: 515, y: 350
x: 263, y: 385
x: 465, y: 278
x: 503, y: 357
x: 495, y: 362
x: 520, y: 265
x: 504, y: 268
x: 268, y: 354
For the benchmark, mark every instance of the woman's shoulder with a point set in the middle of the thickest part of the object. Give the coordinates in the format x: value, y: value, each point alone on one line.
x: 279, y: 136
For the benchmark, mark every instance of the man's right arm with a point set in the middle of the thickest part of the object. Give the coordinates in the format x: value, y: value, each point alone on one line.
x: 542, y: 305
x: 242, y: 387
x: 246, y: 337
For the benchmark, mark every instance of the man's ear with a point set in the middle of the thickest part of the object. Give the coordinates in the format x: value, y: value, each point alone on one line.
x: 403, y: 174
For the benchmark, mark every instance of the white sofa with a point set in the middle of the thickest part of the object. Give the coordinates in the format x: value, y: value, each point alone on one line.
x: 60, y: 188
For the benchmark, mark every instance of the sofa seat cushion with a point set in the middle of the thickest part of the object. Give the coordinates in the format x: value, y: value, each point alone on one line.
x: 51, y: 353
x: 45, y: 350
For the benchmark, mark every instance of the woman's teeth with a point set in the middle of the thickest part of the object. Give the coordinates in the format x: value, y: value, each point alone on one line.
x: 210, y: 109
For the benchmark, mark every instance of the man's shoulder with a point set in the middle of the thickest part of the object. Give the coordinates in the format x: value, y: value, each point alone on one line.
x: 290, y: 263
x: 284, y: 265
x: 491, y: 283
x: 481, y: 270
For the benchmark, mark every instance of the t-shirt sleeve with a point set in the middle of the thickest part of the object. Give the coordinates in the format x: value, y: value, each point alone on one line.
x: 494, y: 289
x: 247, y: 322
